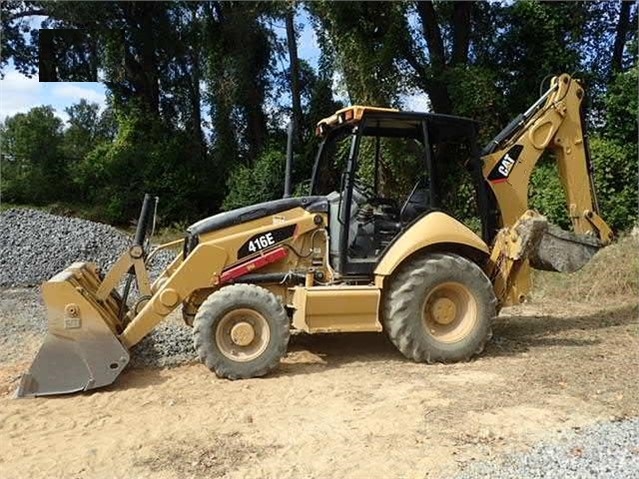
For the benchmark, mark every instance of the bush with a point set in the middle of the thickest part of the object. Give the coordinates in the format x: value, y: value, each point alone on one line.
x: 149, y: 158
x: 616, y: 181
x: 263, y: 181
x: 547, y: 193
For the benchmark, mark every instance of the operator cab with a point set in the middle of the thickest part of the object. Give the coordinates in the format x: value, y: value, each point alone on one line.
x: 369, y: 207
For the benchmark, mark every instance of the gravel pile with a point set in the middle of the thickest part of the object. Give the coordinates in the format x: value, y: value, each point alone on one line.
x: 35, y: 245
x: 169, y: 344
x: 605, y: 450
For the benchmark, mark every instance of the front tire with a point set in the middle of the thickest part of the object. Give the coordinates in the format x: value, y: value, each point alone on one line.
x: 241, y: 331
x: 439, y: 308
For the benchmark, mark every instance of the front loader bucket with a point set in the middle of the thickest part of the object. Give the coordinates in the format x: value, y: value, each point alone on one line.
x: 81, y: 350
x: 563, y: 251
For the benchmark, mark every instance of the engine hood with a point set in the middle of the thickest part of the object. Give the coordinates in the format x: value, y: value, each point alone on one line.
x: 314, y: 204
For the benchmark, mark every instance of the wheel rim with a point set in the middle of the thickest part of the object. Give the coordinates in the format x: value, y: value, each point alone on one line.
x: 449, y: 312
x: 242, y: 334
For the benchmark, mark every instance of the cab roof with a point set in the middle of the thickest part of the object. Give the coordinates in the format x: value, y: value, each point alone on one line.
x: 396, y: 122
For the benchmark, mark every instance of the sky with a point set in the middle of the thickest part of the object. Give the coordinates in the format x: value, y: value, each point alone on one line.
x: 19, y: 93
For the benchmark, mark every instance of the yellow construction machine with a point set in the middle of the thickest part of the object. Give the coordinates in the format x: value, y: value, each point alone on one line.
x: 362, y: 252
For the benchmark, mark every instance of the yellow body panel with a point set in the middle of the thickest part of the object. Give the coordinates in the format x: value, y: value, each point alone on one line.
x: 432, y: 229
x: 332, y: 309
x: 215, y: 252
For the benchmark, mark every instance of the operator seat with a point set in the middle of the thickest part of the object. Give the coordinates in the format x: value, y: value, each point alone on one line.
x: 417, y: 202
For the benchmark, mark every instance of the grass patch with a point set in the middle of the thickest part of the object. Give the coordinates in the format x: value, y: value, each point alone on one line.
x: 612, y: 275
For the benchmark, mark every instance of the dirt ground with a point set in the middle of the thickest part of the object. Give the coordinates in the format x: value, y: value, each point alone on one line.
x: 346, y: 406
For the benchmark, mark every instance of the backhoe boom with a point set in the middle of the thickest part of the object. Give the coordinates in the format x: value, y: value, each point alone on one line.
x: 554, y: 125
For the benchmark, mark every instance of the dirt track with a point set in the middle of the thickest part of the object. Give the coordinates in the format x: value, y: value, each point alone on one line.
x: 344, y: 406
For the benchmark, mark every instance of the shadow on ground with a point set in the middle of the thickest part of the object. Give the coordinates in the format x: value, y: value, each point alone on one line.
x: 517, y: 334
x: 512, y: 335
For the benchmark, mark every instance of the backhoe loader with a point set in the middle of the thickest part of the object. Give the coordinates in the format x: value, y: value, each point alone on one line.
x: 362, y: 252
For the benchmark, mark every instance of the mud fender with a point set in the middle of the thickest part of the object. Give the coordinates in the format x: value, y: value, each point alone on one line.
x: 431, y: 229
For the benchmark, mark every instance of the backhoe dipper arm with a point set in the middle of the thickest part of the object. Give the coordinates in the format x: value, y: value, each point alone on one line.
x: 553, y: 123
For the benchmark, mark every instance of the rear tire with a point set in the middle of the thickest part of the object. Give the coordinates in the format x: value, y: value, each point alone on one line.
x: 439, y: 308
x: 241, y: 331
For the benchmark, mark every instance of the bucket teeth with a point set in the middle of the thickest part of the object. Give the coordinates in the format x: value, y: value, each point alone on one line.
x: 81, y: 350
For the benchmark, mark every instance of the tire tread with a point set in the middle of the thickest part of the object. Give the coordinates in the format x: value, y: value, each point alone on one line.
x: 399, y: 317
x: 218, y: 304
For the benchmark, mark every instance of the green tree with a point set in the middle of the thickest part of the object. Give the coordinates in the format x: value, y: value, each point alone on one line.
x: 33, y: 167
x: 363, y: 39
x: 83, y: 132
x: 615, y: 153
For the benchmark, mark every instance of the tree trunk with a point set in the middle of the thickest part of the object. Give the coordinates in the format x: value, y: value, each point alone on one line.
x: 139, y: 55
x: 195, y: 94
x: 432, y: 33
x: 461, y: 32
x: 256, y: 122
x: 149, y: 64
x: 294, y: 73
x: 620, y: 38
x: 433, y: 79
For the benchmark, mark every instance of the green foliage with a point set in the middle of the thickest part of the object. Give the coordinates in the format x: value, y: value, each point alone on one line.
x: 616, y: 180
x: 197, y: 97
x: 615, y: 153
x: 622, y: 108
x: 15, y: 45
x: 366, y: 37
x: 542, y: 38
x: 147, y: 157
x: 87, y: 128
x: 33, y: 168
x: 477, y: 96
x: 263, y: 181
x: 547, y: 194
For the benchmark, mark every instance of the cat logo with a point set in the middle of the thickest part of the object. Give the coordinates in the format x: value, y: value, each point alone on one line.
x: 504, y: 166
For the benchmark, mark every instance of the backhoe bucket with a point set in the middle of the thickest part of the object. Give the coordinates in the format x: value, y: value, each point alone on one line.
x: 81, y: 350
x: 563, y: 251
